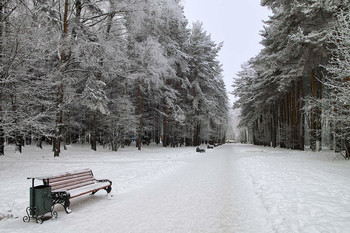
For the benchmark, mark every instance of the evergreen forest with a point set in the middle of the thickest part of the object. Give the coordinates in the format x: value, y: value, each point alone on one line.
x: 107, y: 72
x: 296, y: 92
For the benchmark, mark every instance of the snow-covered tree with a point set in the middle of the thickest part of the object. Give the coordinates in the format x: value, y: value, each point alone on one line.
x: 336, y: 99
x: 288, y: 70
x: 207, y: 94
x: 156, y: 51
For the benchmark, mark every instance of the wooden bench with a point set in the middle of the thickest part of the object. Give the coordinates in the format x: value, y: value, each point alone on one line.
x: 68, y: 185
x: 209, y: 146
x: 200, y: 150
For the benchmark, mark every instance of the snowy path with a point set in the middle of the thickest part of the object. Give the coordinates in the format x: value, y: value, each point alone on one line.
x: 234, y: 188
x: 197, y: 198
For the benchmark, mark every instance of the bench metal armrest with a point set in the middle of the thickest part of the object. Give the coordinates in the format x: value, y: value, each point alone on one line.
x: 105, y: 180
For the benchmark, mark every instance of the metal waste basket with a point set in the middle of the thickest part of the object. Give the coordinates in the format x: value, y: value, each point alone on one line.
x: 40, y: 200
x: 40, y: 203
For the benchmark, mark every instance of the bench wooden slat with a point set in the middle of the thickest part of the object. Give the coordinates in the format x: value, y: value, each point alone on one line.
x: 77, y: 179
x: 68, y: 177
x: 68, y: 188
x: 80, y: 179
x: 71, y: 185
x: 61, y: 174
x: 88, y: 189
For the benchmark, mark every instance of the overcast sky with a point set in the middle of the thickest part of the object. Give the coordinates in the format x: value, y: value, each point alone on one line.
x: 235, y: 22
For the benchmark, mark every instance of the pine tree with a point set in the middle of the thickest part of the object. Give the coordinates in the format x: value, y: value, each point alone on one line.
x: 335, y: 102
x: 204, y: 72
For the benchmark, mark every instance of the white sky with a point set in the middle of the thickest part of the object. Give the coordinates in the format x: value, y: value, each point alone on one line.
x: 235, y: 22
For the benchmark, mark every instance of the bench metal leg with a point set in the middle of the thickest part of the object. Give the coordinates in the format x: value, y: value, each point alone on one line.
x: 108, y: 190
x: 33, y: 213
x: 66, y: 206
x: 63, y: 199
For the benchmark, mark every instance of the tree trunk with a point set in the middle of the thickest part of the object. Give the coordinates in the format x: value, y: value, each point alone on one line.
x: 60, y: 89
x: 93, y: 139
x: 347, y: 148
x: 196, y: 138
x: 313, y: 115
x: 139, y: 114
x: 2, y: 137
x: 39, y: 142
x: 2, y: 131
x: 58, y: 131
x: 281, y: 123
x: 338, y: 146
x: 331, y: 136
x: 28, y: 138
x: 78, y: 8
x: 294, y: 117
x: 17, y: 134
x: 165, y: 126
x: 255, y: 129
x: 319, y: 115
x: 289, y: 122
x: 301, y: 116
x: 156, y: 133
x: 18, y: 141
x: 110, y: 17
x: 274, y: 127
x: 316, y: 137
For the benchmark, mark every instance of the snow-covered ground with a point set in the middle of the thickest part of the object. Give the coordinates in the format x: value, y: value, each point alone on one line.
x: 232, y: 188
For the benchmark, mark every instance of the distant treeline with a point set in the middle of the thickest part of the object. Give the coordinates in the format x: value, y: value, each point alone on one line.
x: 296, y: 92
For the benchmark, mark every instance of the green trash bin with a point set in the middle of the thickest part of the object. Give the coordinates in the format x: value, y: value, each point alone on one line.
x: 40, y: 200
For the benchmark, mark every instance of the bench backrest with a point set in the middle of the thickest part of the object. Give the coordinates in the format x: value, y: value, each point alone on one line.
x: 71, y: 180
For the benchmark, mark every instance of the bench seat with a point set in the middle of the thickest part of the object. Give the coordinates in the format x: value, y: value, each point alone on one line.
x: 85, y: 189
